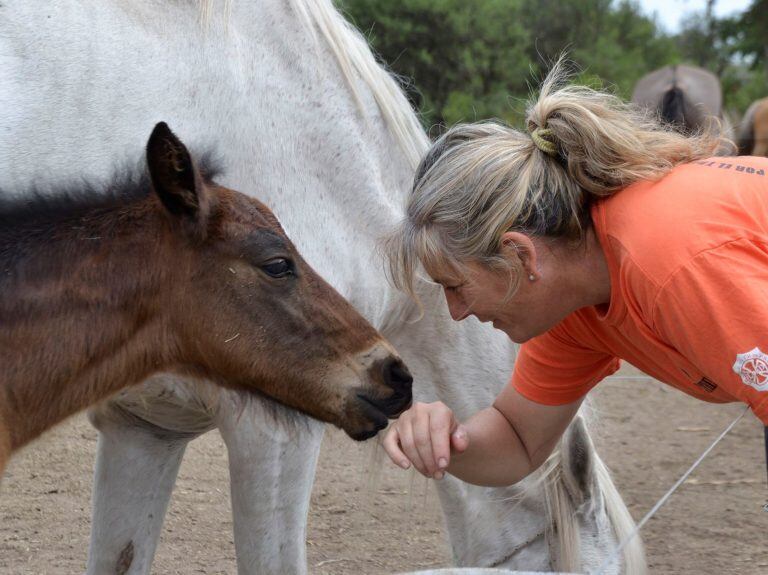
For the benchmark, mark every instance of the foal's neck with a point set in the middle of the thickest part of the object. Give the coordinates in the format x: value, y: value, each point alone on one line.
x: 80, y: 302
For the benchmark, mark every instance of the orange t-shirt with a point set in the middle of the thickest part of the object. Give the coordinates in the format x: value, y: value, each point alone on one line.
x: 688, y: 258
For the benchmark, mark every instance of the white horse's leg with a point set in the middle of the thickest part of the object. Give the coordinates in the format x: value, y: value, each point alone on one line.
x: 272, y: 460
x: 136, y: 467
x: 143, y: 433
x: 465, y: 365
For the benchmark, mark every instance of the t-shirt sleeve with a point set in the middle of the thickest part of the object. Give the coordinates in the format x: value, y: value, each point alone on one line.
x: 555, y: 369
x: 714, y: 311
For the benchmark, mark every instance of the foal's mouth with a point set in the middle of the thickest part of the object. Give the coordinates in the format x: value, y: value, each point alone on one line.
x: 390, y: 407
x: 379, y: 412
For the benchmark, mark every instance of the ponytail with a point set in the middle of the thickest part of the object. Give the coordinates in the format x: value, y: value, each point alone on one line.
x: 481, y: 180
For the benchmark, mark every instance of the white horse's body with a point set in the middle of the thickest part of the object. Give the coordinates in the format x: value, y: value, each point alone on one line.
x: 268, y: 82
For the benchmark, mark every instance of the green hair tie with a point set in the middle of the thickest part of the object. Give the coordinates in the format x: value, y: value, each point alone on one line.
x: 542, y: 137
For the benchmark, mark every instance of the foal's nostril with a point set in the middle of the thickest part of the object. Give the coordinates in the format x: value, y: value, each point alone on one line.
x: 397, y: 376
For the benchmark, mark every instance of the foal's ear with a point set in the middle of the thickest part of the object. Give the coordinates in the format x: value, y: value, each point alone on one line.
x: 177, y: 182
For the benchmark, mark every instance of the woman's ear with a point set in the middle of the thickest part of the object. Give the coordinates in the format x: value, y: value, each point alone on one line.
x: 518, y: 247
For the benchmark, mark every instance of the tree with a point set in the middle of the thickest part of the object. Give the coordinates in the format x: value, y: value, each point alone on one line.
x: 464, y: 56
x: 749, y: 35
x: 475, y: 59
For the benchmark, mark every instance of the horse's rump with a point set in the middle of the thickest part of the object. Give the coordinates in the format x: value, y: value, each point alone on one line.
x: 683, y: 95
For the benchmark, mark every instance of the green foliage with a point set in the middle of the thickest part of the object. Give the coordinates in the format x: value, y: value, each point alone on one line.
x: 475, y: 59
x: 629, y: 45
x: 741, y: 88
x: 750, y: 34
x: 465, y: 56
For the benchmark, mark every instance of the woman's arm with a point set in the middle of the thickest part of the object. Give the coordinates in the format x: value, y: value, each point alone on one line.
x: 497, y: 446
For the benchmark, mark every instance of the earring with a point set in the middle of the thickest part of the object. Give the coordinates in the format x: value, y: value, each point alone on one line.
x: 532, y: 277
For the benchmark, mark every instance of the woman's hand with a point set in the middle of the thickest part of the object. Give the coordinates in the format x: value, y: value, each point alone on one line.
x: 425, y: 435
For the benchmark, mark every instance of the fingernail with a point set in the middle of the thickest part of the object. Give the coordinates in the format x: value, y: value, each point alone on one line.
x: 439, y: 475
x: 441, y: 463
x: 405, y: 464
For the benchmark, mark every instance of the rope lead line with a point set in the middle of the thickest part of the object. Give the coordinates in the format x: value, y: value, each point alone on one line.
x: 765, y: 432
x: 615, y: 555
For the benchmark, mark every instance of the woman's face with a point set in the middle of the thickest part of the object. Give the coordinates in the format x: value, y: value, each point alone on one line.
x: 543, y: 298
x: 553, y: 282
x: 485, y: 294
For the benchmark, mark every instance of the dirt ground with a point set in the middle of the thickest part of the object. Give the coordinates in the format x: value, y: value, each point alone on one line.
x: 648, y: 434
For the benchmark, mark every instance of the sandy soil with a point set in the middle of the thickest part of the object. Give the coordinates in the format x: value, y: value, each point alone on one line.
x: 648, y: 434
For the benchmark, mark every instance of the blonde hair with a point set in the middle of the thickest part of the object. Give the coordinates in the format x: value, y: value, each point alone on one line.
x: 481, y: 180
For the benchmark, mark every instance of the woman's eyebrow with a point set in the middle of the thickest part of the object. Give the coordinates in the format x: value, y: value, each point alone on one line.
x: 453, y: 282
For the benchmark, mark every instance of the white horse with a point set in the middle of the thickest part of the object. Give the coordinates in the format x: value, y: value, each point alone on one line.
x: 326, y: 138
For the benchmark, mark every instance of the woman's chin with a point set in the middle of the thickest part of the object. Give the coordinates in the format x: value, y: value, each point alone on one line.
x: 513, y: 334
x: 501, y: 326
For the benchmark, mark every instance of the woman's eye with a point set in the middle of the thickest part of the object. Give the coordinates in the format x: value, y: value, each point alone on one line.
x: 278, y: 268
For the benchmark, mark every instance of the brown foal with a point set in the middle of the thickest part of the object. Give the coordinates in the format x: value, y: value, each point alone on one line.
x: 169, y: 271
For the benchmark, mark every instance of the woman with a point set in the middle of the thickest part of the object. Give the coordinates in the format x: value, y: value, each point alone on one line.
x: 599, y: 235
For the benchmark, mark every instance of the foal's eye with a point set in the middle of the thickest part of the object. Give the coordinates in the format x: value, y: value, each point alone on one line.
x: 278, y: 268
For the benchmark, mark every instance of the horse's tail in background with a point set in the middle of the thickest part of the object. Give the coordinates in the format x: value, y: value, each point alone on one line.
x: 578, y: 484
x: 673, y: 107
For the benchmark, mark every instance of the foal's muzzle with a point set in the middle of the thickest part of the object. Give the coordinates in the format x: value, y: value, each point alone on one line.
x: 396, y: 377
x: 385, y: 401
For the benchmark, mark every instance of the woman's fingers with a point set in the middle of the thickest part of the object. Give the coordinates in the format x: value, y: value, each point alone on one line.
x: 441, y: 423
x: 391, y: 445
x: 422, y: 437
x: 408, y: 444
x: 460, y: 439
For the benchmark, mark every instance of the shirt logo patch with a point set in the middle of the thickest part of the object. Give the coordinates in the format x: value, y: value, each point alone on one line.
x: 752, y: 367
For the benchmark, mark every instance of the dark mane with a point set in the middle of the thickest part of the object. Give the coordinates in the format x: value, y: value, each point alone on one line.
x: 39, y: 206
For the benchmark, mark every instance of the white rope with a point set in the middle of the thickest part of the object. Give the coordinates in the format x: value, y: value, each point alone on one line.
x: 615, y: 555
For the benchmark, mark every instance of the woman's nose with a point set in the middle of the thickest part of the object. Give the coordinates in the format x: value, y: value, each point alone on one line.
x: 456, y: 306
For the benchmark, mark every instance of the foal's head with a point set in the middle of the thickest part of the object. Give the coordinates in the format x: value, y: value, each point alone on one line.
x: 247, y: 311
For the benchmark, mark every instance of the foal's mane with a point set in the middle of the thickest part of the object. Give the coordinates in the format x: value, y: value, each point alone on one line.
x: 47, y: 205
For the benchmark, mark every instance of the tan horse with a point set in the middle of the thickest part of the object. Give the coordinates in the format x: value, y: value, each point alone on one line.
x: 168, y: 271
x: 752, y: 138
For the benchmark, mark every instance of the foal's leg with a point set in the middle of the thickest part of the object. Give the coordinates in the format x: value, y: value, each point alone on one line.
x: 272, y: 460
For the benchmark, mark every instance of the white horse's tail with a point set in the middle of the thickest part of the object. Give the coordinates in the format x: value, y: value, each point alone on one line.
x: 579, y: 491
x: 621, y: 520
